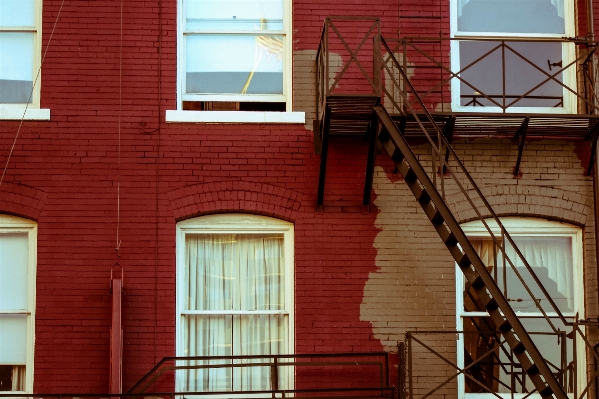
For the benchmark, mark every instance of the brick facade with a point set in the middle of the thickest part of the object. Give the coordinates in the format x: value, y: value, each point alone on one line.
x: 362, y: 279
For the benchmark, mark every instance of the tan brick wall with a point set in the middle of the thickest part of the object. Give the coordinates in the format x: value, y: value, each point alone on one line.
x: 414, y: 286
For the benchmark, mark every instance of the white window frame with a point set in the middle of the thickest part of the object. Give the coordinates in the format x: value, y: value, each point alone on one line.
x: 234, y: 223
x: 522, y: 226
x: 13, y: 224
x: 568, y: 55
x: 236, y: 116
x: 30, y: 111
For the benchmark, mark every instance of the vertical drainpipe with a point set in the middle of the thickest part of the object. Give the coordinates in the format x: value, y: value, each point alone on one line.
x: 116, y: 339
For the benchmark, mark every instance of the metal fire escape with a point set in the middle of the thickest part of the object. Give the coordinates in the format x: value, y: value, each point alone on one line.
x: 372, y: 95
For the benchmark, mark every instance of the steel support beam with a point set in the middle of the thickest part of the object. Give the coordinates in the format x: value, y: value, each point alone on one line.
x: 323, y: 158
x: 448, y: 129
x: 521, y: 137
x: 373, y: 128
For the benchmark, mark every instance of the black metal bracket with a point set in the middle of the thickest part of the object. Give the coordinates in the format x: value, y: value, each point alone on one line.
x: 373, y: 129
x: 448, y: 129
x: 521, y: 137
x: 593, y: 136
x: 323, y: 159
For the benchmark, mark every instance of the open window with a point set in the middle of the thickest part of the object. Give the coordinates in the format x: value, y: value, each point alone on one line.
x: 234, y: 298
x: 554, y: 252
x: 234, y: 55
x: 512, y: 57
x: 17, y: 303
x: 20, y: 58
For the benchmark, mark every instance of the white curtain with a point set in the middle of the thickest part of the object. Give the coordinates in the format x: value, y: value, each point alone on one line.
x: 239, y: 272
x: 558, y: 4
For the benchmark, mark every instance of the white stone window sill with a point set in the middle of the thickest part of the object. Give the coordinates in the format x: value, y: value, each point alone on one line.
x: 235, y: 117
x: 32, y: 114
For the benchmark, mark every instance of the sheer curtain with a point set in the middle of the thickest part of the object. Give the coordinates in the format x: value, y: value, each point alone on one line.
x: 233, y: 272
x: 551, y: 259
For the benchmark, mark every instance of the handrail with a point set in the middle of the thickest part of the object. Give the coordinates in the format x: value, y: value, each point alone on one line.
x: 168, y: 364
x: 418, y: 44
x: 566, y: 370
x: 350, y: 53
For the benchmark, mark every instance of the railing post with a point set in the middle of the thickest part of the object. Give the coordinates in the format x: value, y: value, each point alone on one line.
x: 409, y: 336
x: 402, y: 370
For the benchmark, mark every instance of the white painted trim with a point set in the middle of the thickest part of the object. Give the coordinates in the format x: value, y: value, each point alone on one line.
x: 532, y: 227
x: 173, y: 116
x: 13, y: 224
x: 239, y: 223
x: 32, y: 114
x: 234, y: 312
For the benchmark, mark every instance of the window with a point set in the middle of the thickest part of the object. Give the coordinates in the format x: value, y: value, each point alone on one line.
x: 508, y: 74
x: 235, y: 297
x: 17, y: 303
x: 235, y: 55
x: 554, y: 252
x: 20, y: 38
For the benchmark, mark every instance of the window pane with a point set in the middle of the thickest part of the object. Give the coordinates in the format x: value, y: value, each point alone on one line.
x: 234, y: 64
x: 486, y: 76
x: 13, y: 339
x: 491, y: 365
x: 16, y: 68
x: 234, y: 15
x: 551, y: 260
x: 12, y: 378
x: 14, y: 253
x: 259, y: 335
x: 511, y: 16
x: 234, y: 272
x: 207, y: 336
x: 17, y: 13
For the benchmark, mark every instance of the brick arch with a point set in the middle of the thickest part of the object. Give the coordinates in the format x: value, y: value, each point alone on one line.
x: 514, y: 200
x: 21, y: 200
x: 235, y: 196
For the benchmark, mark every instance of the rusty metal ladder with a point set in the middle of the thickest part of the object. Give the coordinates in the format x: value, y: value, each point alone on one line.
x: 466, y: 257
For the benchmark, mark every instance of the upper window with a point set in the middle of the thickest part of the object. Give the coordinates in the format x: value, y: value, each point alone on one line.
x: 511, y: 74
x: 554, y: 252
x: 234, y: 55
x: 20, y: 35
x: 235, y: 297
x: 17, y: 303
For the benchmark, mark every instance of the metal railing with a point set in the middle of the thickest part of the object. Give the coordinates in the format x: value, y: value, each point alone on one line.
x: 346, y: 61
x: 336, y: 374
x: 488, y: 366
x: 434, y: 78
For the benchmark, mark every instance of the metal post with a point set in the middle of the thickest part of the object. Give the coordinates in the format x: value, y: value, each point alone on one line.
x: 410, y: 371
x: 116, y: 338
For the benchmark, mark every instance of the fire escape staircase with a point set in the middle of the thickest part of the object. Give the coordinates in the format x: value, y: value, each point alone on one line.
x: 466, y: 257
x: 371, y: 118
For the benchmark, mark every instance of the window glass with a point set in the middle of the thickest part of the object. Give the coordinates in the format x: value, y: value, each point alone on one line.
x: 234, y: 15
x: 13, y: 338
x: 17, y: 13
x: 16, y: 67
x: 13, y: 271
x: 256, y: 68
x: 511, y: 16
x: 483, y: 63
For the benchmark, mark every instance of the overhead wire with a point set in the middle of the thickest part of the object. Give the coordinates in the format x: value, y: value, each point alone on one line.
x: 31, y: 93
